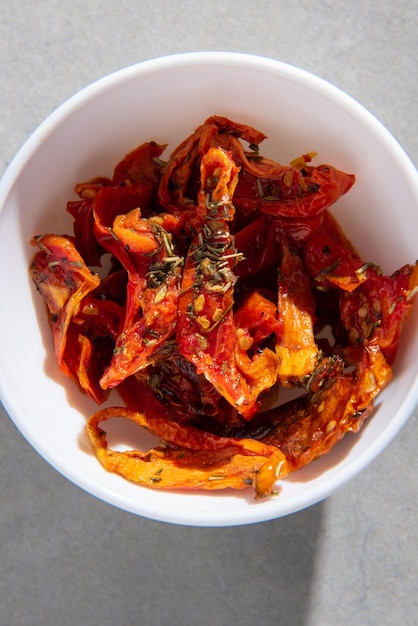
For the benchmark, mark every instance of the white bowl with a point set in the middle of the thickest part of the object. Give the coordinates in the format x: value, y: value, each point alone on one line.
x: 164, y: 100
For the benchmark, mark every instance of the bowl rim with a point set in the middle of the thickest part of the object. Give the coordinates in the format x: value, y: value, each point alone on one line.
x: 341, y: 475
x: 96, y: 87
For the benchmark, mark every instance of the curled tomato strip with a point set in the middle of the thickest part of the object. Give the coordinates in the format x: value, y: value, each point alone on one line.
x: 286, y: 192
x: 96, y: 328
x: 206, y: 333
x: 180, y: 180
x: 154, y: 274
x: 63, y: 279
x: 379, y: 309
x: 134, y: 183
x: 110, y: 203
x: 193, y: 460
x: 296, y: 346
x: 88, y: 373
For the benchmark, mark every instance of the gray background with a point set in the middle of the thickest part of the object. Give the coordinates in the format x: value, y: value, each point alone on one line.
x: 66, y: 558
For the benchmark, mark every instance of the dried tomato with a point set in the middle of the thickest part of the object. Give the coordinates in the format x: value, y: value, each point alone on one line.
x: 154, y: 275
x: 206, y: 333
x: 379, y: 308
x: 63, y: 279
x: 227, y: 278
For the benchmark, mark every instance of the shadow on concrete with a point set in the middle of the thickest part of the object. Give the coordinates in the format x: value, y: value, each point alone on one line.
x: 259, y: 574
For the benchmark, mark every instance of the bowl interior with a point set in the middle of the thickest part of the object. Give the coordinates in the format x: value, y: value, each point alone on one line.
x: 164, y: 100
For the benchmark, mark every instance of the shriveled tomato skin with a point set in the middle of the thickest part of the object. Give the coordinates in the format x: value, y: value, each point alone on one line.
x: 380, y: 308
x: 193, y: 460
